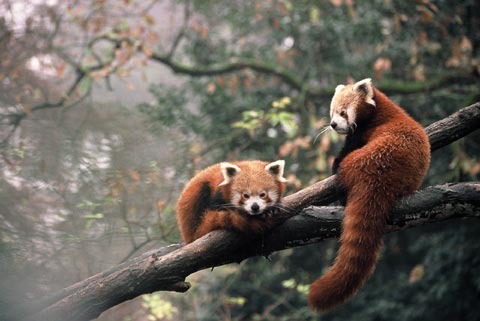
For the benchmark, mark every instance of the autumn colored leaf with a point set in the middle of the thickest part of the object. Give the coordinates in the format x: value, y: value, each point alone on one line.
x: 211, y: 88
x: 221, y: 80
x: 381, y: 66
x: 60, y: 68
x: 417, y: 273
x: 101, y: 73
x: 147, y: 51
x: 234, y: 82
x: 283, y: 9
x: 134, y: 175
x: 325, y: 143
x: 149, y: 19
x: 285, y: 149
x: 419, y: 73
x: 336, y: 3
x: 27, y: 108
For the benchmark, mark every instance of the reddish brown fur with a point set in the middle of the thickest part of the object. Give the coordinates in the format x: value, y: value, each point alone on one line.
x: 391, y: 161
x: 199, y: 214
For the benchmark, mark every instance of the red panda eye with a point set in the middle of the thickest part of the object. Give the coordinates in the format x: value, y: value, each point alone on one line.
x: 342, y: 113
x: 263, y: 195
x: 246, y: 196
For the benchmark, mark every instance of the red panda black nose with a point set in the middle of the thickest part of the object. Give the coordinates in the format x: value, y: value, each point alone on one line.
x: 255, y: 208
x: 333, y: 124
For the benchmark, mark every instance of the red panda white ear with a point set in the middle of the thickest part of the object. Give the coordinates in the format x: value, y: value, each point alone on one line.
x: 338, y: 88
x: 276, y: 170
x: 365, y: 87
x: 229, y: 171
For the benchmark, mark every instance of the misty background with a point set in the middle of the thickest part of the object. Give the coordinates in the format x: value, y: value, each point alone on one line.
x: 108, y: 108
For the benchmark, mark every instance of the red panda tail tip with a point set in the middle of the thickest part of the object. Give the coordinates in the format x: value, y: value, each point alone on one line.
x: 330, y: 291
x: 346, y: 276
x: 319, y: 299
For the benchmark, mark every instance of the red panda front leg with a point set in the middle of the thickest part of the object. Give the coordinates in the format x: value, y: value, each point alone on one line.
x: 231, y: 220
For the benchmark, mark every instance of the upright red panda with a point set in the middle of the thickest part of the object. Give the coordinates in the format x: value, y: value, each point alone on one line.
x: 230, y: 196
x: 386, y: 156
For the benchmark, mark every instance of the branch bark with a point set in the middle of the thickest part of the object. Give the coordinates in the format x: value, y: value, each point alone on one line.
x: 290, y: 78
x: 166, y: 268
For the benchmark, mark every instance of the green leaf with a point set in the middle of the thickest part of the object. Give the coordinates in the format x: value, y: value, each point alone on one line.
x: 289, y: 284
x: 85, y: 84
x: 95, y: 216
x: 239, y: 301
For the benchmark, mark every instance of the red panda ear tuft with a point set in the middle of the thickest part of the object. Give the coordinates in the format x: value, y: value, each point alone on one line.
x: 365, y: 87
x: 276, y: 170
x: 338, y: 88
x: 228, y: 171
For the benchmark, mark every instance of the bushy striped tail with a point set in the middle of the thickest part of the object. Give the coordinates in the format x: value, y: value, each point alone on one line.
x: 361, y: 240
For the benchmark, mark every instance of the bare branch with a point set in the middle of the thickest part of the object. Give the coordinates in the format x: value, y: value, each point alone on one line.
x: 235, y: 64
x: 181, y: 34
x: 455, y: 126
x: 290, y: 78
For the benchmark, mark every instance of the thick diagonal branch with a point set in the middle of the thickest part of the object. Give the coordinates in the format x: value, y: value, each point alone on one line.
x: 157, y: 271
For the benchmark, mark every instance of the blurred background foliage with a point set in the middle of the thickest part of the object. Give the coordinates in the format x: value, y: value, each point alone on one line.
x: 108, y: 107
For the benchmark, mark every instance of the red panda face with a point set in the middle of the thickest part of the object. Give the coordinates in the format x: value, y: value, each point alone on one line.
x: 254, y: 186
x: 255, y: 202
x: 348, y: 103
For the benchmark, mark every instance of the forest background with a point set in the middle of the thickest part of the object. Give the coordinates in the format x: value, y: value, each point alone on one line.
x: 107, y: 109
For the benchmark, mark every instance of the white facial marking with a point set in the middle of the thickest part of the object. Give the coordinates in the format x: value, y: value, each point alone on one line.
x: 273, y: 195
x: 342, y: 124
x: 351, y: 114
x: 254, y: 205
x: 332, y: 104
x: 236, y: 197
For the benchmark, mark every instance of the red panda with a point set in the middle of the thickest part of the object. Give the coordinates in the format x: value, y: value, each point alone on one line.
x: 230, y: 196
x: 385, y: 157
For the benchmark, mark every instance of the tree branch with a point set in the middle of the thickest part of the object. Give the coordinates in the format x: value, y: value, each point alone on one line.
x: 290, y: 78
x: 186, y: 19
x: 166, y: 268
x: 235, y: 64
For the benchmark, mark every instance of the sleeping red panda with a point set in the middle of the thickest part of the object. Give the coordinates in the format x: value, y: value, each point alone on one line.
x: 230, y: 196
x: 385, y: 157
